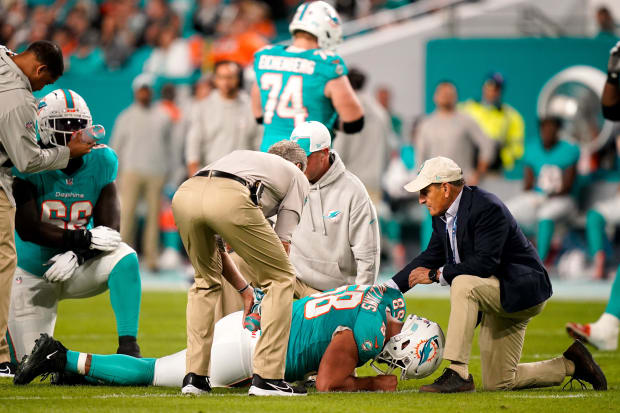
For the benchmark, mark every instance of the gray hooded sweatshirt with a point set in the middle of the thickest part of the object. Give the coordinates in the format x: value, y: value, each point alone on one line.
x: 337, y: 240
x: 18, y: 128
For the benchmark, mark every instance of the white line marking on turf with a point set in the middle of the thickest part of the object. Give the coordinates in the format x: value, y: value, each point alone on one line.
x: 551, y: 396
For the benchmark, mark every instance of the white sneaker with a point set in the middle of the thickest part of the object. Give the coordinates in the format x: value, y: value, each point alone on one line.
x: 602, y: 339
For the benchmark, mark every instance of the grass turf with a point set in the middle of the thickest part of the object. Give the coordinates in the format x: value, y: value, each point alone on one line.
x: 88, y: 325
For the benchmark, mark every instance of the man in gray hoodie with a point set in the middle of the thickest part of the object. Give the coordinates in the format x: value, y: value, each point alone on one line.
x: 21, y: 74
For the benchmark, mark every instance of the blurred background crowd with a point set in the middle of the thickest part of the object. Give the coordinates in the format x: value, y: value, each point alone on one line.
x: 190, y: 68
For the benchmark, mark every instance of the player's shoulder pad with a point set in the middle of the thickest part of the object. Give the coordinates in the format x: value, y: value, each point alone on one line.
x: 330, y: 63
x: 104, y: 155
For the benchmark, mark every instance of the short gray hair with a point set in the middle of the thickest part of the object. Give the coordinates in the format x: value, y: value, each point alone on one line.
x: 291, y: 151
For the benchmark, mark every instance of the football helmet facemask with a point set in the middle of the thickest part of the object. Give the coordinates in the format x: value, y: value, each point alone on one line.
x: 60, y: 114
x: 417, y: 350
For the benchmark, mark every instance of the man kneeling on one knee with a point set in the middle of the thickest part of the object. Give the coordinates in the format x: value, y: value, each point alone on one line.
x: 494, y: 272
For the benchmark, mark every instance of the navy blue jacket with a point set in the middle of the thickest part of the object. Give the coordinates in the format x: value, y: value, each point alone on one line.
x: 489, y: 243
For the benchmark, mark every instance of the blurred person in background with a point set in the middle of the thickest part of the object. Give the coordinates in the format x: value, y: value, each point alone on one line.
x: 141, y: 138
x: 500, y: 121
x: 605, y: 23
x: 366, y: 153
x: 221, y: 123
x: 603, y: 334
x: 384, y: 97
x: 172, y: 56
x: 452, y: 133
x: 306, y: 80
x: 548, y: 182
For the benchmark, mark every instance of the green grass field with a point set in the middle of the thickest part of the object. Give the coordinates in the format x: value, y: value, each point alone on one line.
x: 88, y: 325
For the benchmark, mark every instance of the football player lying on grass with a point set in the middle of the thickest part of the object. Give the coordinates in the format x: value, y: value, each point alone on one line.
x: 332, y: 333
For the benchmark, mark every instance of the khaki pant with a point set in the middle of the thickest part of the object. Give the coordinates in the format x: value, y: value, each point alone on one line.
x: 231, y: 300
x: 501, y: 337
x: 132, y: 187
x: 8, y: 262
x: 204, y: 207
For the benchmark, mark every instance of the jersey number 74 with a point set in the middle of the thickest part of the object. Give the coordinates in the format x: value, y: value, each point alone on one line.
x: 287, y: 104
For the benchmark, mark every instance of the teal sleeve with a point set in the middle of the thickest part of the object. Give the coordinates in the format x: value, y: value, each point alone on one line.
x: 369, y: 334
x: 109, y: 165
x: 332, y: 66
x: 575, y: 154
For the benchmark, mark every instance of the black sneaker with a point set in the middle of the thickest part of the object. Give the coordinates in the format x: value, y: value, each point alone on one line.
x: 450, y: 382
x: 268, y: 387
x: 129, y: 346
x: 47, y: 356
x: 7, y: 369
x: 586, y: 368
x: 195, y: 384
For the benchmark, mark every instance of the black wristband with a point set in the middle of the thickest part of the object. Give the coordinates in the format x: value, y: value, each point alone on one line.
x: 432, y: 275
x: 612, y: 77
x: 353, y: 127
x: 78, y: 239
x: 259, y: 120
x: 243, y: 289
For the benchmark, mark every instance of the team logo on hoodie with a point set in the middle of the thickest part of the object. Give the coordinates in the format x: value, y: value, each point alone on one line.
x: 30, y: 125
x: 332, y: 215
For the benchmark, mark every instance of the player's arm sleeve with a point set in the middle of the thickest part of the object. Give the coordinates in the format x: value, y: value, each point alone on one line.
x: 364, y: 241
x: 490, y: 232
x: 432, y: 257
x: 18, y: 137
x: 291, y: 206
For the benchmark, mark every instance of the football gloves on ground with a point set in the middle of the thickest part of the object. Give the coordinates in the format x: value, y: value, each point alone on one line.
x: 62, y: 267
x: 613, y: 66
x: 104, y: 238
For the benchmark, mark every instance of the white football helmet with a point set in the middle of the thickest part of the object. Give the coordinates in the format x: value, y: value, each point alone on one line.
x: 320, y: 19
x: 417, y: 350
x: 60, y: 114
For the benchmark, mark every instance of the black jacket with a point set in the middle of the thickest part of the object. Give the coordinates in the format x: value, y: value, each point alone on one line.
x: 489, y: 243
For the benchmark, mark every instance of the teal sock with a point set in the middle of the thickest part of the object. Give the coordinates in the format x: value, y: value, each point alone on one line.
x: 125, y: 294
x: 426, y: 230
x: 544, y: 237
x: 595, y: 231
x: 171, y: 239
x: 613, y: 305
x: 117, y: 369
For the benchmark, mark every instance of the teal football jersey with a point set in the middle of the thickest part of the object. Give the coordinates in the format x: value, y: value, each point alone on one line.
x: 292, y: 86
x: 359, y: 308
x: 66, y: 201
x: 548, y: 165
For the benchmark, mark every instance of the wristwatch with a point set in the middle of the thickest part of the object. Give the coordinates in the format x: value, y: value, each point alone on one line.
x: 432, y: 275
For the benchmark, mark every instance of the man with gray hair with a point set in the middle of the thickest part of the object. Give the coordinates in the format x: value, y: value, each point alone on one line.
x: 232, y: 198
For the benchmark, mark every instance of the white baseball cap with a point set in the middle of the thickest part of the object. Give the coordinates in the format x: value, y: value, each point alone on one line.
x: 435, y: 171
x: 312, y: 136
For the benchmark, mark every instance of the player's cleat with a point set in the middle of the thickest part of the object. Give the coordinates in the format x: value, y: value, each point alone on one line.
x: 267, y: 387
x: 252, y: 320
x: 606, y: 340
x: 47, y: 356
x: 196, y: 385
x: 586, y: 368
x: 127, y: 345
x: 450, y: 382
x: 7, y: 369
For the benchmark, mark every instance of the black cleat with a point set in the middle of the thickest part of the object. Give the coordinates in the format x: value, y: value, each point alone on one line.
x: 7, y: 369
x: 450, y: 382
x: 47, y: 356
x: 195, y: 384
x: 586, y: 368
x: 268, y: 387
x: 129, y: 346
